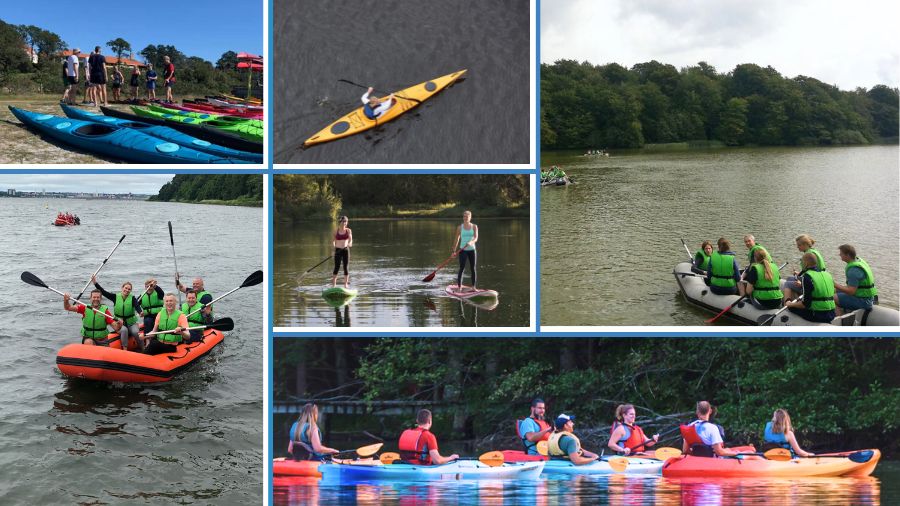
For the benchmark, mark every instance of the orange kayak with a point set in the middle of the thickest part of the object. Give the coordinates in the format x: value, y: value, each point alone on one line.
x: 858, y: 463
x: 286, y: 467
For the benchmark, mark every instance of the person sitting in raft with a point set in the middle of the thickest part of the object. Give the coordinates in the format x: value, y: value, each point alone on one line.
x: 563, y: 442
x: 818, y: 302
x: 703, y: 438
x: 343, y: 240
x: 306, y: 438
x: 780, y: 434
x: 762, y: 281
x: 724, y: 272
x: 702, y: 256
x: 419, y: 446
x: 195, y: 317
x: 464, y: 246
x: 535, y: 428
x: 625, y: 437
x: 126, y: 308
x: 93, y: 325
x: 792, y: 284
x: 169, y: 318
x: 752, y: 246
x: 860, y: 291
x: 151, y: 304
x: 374, y: 107
x: 203, y: 296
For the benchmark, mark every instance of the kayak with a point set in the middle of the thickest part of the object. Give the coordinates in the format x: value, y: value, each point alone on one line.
x: 636, y: 465
x: 188, y: 105
x: 213, y: 135
x: 223, y: 103
x: 406, y: 99
x: 288, y: 467
x: 467, y: 292
x: 859, y: 463
x: 164, y: 133
x: 456, y: 470
x: 113, y: 141
x: 244, y: 130
x: 205, y: 115
x: 111, y: 363
x: 694, y: 289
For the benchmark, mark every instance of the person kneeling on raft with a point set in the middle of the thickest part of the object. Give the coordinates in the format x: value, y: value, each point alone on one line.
x: 724, y: 271
x: 93, y: 325
x: 860, y: 291
x: 563, y: 442
x: 625, y: 437
x: 703, y: 438
x: 780, y: 434
x: 169, y: 318
x: 762, y: 281
x: 196, y: 318
x: 419, y: 446
x: 819, y: 299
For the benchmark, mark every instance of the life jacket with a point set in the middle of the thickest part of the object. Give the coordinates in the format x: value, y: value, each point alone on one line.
x: 634, y: 436
x: 866, y: 288
x: 194, y: 320
x: 721, y: 270
x: 702, y: 260
x: 124, y: 309
x: 529, y: 446
x: 776, y: 439
x: 169, y: 322
x: 412, y: 448
x: 764, y: 289
x: 93, y: 325
x: 369, y: 112
x: 301, y: 446
x: 819, y: 260
x: 695, y: 444
x: 823, y: 291
x: 200, y: 296
x: 554, y: 450
x: 151, y: 303
x: 752, y: 250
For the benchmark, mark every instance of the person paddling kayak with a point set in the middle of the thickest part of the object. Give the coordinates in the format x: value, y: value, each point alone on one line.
x: 703, y: 438
x: 563, y: 442
x: 533, y: 429
x: 419, y: 446
x: 626, y: 437
x: 464, y: 247
x: 343, y: 240
x: 306, y: 438
x: 780, y: 434
x: 374, y: 107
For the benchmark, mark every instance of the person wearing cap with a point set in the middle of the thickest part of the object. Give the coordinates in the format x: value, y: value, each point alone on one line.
x: 419, y: 446
x: 703, y: 438
x: 343, y: 239
x: 563, y: 442
x: 534, y: 429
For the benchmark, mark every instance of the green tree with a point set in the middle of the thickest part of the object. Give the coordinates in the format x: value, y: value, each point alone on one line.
x: 733, y: 124
x: 228, y: 61
x: 119, y: 46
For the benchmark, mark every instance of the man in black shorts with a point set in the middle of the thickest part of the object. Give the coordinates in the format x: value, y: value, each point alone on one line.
x: 71, y: 77
x: 97, y: 65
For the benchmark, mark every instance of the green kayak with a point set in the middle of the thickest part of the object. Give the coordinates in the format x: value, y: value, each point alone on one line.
x: 204, y: 116
x: 246, y: 130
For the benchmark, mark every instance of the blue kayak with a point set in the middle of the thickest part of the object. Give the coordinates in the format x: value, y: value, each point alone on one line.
x: 164, y: 133
x: 114, y: 141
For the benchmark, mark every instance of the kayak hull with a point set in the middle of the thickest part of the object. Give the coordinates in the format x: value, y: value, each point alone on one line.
x: 245, y: 130
x: 687, y: 466
x: 458, y: 470
x: 288, y: 467
x: 636, y: 465
x: 406, y: 99
x: 466, y: 292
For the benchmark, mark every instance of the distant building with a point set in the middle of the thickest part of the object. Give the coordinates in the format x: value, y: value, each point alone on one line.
x: 11, y: 192
x: 32, y: 54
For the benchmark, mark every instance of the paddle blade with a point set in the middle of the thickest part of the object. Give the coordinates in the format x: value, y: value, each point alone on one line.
x: 33, y: 280
x: 171, y: 237
x: 253, y: 279
x: 618, y: 464
x: 429, y: 277
x: 389, y: 457
x: 368, y: 451
x: 543, y: 448
x: 493, y: 459
x: 225, y: 324
x: 780, y: 454
x: 861, y: 457
x: 666, y: 453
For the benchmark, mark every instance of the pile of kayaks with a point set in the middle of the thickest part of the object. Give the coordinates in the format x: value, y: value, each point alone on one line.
x: 693, y: 288
x: 249, y: 129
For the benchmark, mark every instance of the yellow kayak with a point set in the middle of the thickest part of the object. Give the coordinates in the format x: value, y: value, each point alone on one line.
x: 406, y: 99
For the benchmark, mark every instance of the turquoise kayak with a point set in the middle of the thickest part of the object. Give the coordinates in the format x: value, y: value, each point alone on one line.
x: 164, y: 133
x: 456, y: 470
x: 113, y: 141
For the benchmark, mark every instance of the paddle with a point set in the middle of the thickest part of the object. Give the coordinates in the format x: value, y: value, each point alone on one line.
x: 664, y: 433
x: 252, y: 280
x: 313, y: 267
x: 727, y: 308
x: 389, y: 457
x: 859, y: 456
x: 688, y: 250
x: 177, y: 276
x: 429, y: 277
x: 366, y: 88
x: 363, y: 451
x: 618, y: 464
x: 666, y: 453
x: 224, y: 324
x: 770, y: 319
x: 98, y: 268
x: 33, y: 280
x: 493, y: 458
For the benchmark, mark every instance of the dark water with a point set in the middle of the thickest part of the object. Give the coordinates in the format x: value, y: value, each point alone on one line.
x: 393, y: 44
x: 388, y: 261
x: 196, y: 439
x: 620, y: 226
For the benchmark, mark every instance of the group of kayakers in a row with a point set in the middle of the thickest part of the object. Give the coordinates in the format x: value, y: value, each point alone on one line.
x: 811, y: 293
x: 554, y: 175
x: 153, y: 308
x: 67, y: 218
x: 418, y: 445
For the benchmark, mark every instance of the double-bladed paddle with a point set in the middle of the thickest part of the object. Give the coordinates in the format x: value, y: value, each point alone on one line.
x: 98, y: 268
x: 224, y: 324
x: 33, y: 280
x: 177, y: 276
x: 253, y: 279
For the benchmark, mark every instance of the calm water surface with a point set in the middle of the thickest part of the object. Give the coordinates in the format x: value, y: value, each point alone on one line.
x: 388, y: 261
x: 609, y: 243
x: 196, y: 439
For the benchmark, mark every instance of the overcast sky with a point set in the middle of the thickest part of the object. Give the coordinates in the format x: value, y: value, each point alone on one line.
x: 848, y: 44
x: 89, y: 183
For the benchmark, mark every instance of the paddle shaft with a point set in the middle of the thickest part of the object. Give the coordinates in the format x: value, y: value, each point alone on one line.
x: 373, y: 89
x: 175, y: 259
x: 441, y: 266
x: 688, y: 250
x: 82, y: 303
x: 253, y: 279
x: 212, y: 302
x: 86, y: 285
x: 314, y: 266
x: 202, y: 327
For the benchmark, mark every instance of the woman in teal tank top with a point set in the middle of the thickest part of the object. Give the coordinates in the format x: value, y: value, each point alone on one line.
x: 464, y: 246
x: 780, y: 434
x: 306, y: 438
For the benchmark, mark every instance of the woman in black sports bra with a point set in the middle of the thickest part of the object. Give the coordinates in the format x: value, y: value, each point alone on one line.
x: 343, y: 239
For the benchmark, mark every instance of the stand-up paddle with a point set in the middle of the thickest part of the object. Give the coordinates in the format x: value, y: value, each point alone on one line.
x: 313, y: 267
x: 429, y: 277
x: 98, y: 268
x: 177, y: 276
x: 223, y: 324
x: 252, y: 280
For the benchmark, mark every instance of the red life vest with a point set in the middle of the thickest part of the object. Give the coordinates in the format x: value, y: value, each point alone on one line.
x: 635, y: 440
x: 528, y: 444
x: 412, y: 447
x: 695, y: 445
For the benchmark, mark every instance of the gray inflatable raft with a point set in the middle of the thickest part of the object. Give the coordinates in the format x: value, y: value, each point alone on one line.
x: 695, y: 291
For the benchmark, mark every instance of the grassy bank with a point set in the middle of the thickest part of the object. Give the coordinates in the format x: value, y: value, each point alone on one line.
x: 419, y: 211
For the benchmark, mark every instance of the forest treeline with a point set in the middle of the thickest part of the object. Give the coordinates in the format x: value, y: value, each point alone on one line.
x: 241, y: 189
x: 299, y: 196
x: 18, y: 75
x: 585, y: 106
x: 842, y: 393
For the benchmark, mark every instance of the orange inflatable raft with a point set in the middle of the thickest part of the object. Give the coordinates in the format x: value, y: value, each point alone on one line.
x: 111, y: 363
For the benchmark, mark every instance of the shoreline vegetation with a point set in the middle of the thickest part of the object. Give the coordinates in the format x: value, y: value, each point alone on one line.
x: 213, y: 189
x: 586, y: 106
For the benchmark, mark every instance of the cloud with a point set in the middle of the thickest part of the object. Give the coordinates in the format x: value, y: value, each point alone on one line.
x: 90, y: 183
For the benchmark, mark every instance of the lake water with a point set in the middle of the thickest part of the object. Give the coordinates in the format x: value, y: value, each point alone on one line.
x: 610, y: 242
x: 388, y: 261
x: 196, y: 439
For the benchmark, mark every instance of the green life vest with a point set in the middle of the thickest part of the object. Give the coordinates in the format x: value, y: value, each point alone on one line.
x: 93, y: 325
x: 200, y: 296
x: 125, y: 309
x: 721, y: 270
x: 764, y: 289
x: 702, y: 265
x: 752, y: 250
x: 151, y: 303
x: 196, y: 319
x: 169, y: 322
x: 823, y: 291
x: 820, y: 262
x: 866, y: 288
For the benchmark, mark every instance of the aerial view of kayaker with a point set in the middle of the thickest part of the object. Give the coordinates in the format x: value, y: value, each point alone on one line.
x: 779, y: 433
x: 724, y: 271
x: 342, y: 242
x: 374, y: 107
x: 93, y: 322
x: 703, y: 438
x: 464, y: 248
x: 860, y: 291
x: 626, y: 437
x: 805, y: 244
x: 818, y: 300
x: 762, y: 281
x: 563, y: 443
x: 534, y: 428
x: 305, y: 436
x: 419, y: 446
x: 169, y: 319
x: 702, y: 256
x: 126, y: 309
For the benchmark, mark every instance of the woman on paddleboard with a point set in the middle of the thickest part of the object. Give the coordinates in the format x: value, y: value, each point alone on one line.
x: 343, y: 239
x: 464, y: 247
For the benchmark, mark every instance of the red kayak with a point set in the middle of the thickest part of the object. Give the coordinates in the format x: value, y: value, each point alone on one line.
x: 227, y: 111
x: 287, y: 467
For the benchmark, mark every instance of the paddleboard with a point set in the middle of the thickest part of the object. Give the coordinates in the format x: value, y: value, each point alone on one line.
x: 334, y: 292
x: 466, y: 292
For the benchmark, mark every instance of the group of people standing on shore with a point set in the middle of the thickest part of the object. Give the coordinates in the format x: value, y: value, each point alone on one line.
x: 96, y: 76
x: 811, y: 293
